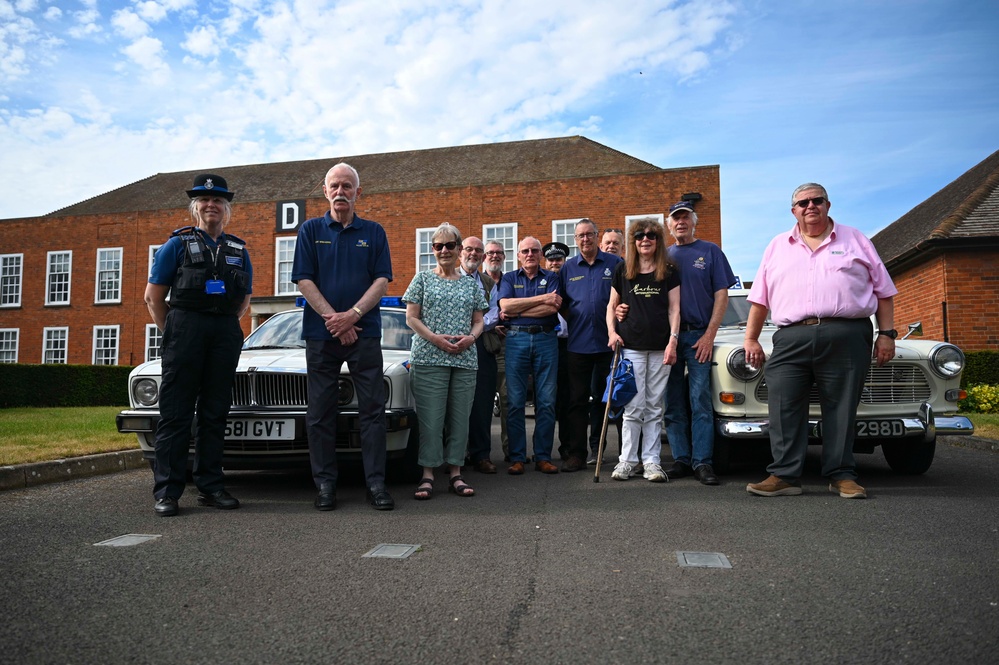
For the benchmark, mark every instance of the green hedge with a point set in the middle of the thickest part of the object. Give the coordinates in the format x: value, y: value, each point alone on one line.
x: 982, y: 367
x: 63, y: 385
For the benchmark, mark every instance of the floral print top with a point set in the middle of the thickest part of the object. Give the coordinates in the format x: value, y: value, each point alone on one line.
x: 446, y: 306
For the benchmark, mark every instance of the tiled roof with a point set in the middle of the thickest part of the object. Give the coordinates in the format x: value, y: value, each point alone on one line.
x: 966, y: 209
x: 518, y: 161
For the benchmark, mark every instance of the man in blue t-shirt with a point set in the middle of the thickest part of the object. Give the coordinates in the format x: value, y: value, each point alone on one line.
x: 342, y: 267
x: 706, y: 277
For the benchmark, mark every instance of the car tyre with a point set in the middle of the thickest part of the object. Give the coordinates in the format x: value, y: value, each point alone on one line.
x: 909, y: 459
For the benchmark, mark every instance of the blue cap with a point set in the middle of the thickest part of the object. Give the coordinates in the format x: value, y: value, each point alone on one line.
x: 682, y: 205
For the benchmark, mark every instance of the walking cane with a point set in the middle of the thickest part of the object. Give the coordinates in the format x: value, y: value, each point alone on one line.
x: 607, y: 408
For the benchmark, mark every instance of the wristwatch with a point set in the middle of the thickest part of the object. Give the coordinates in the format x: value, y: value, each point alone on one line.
x: 889, y: 333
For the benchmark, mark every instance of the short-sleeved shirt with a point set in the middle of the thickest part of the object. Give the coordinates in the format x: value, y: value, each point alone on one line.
x: 844, y: 277
x: 343, y: 262
x: 170, y: 256
x: 646, y: 328
x: 704, y: 270
x: 446, y: 307
x: 516, y: 284
x: 585, y: 292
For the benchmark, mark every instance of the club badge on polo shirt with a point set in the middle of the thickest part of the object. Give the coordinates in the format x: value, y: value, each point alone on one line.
x: 543, y: 282
x: 607, y: 272
x: 362, y: 243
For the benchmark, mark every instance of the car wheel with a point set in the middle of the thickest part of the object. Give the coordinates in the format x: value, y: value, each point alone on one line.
x: 909, y: 458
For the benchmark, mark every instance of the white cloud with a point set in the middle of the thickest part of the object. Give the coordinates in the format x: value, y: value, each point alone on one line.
x: 129, y: 25
x: 147, y: 53
x: 203, y: 42
x: 52, y: 14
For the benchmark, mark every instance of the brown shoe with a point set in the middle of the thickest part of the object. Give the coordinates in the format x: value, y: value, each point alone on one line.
x: 545, y: 466
x: 848, y: 489
x: 516, y: 469
x: 485, y: 466
x: 573, y: 464
x: 774, y: 486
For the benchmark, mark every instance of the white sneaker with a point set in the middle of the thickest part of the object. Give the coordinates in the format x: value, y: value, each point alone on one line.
x: 622, y: 471
x: 654, y: 473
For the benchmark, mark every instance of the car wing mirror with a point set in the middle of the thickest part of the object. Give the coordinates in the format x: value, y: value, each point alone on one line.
x: 914, y: 329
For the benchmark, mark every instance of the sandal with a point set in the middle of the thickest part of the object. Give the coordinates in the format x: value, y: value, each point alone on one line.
x: 425, y: 488
x: 463, y: 490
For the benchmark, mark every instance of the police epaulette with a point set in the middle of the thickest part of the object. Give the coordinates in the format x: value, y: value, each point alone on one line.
x: 183, y: 231
x: 230, y: 236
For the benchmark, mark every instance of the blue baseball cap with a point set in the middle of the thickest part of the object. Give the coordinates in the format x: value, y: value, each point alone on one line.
x: 682, y: 205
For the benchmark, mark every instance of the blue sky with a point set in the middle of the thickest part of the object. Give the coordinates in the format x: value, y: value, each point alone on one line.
x: 883, y: 102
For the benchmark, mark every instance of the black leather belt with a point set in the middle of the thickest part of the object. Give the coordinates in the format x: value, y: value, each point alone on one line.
x: 687, y: 327
x: 817, y: 321
x: 532, y: 330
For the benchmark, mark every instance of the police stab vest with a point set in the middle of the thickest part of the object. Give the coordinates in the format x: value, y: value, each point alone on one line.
x: 200, y: 265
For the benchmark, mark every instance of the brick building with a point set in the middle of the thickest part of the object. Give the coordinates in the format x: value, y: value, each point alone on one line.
x: 944, y: 258
x: 72, y: 282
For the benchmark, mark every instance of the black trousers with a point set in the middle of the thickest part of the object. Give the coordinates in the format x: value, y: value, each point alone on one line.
x: 325, y: 359
x: 587, y: 376
x: 480, y: 419
x: 199, y: 355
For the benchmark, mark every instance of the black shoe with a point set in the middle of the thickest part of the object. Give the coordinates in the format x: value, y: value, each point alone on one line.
x: 591, y: 460
x: 166, y: 507
x: 220, y: 499
x: 380, y: 498
x: 678, y: 470
x: 326, y: 499
x: 706, y: 475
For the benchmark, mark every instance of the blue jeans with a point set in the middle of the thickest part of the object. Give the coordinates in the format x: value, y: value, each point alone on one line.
x: 695, y: 387
x: 528, y: 354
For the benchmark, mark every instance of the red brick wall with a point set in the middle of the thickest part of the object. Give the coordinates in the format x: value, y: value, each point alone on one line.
x: 533, y: 206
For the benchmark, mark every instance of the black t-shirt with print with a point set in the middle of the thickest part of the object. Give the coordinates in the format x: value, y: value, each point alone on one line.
x: 646, y: 328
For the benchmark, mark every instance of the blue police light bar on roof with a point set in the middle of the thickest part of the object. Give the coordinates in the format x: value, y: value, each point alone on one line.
x: 391, y: 301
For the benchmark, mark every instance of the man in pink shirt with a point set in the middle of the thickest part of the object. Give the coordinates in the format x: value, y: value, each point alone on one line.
x: 821, y: 281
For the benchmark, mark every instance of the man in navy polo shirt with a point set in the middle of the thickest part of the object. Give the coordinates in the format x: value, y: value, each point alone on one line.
x: 586, y: 282
x: 530, y: 300
x: 342, y: 267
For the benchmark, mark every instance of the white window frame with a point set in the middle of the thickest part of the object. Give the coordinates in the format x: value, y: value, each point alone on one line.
x: 49, y: 274
x: 285, y: 287
x: 154, y: 342
x: 425, y: 259
x: 152, y: 253
x: 564, y: 230
x: 116, y: 329
x: 11, y: 281
x: 510, y: 242
x: 8, y: 335
x: 116, y: 278
x: 655, y: 217
x: 48, y: 345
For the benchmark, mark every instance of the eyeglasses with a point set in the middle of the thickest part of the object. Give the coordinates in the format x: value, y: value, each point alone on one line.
x: 472, y: 250
x: 614, y: 231
x: 496, y: 253
x: 803, y: 203
x: 588, y: 234
x: 532, y: 250
x: 438, y: 246
x: 650, y: 235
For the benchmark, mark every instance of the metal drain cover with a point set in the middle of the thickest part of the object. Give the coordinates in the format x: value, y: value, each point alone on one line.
x: 392, y: 551
x: 127, y: 540
x: 702, y: 560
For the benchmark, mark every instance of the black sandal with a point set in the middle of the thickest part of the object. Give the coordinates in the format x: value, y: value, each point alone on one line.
x: 426, y: 486
x: 464, y: 490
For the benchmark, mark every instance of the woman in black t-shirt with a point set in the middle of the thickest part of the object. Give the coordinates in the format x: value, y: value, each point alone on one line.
x: 647, y: 283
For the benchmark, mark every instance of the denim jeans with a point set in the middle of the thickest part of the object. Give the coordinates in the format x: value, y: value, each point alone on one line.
x: 528, y: 354
x: 695, y: 387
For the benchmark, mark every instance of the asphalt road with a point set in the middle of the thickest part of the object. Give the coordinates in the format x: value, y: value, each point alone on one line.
x: 534, y: 569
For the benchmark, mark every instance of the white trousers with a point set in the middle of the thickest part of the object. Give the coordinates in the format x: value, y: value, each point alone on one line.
x: 643, y: 417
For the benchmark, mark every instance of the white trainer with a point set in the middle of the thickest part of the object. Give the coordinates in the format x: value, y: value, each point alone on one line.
x: 654, y: 473
x: 622, y: 471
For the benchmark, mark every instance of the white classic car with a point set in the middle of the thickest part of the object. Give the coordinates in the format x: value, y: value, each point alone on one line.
x: 904, y: 406
x: 266, y: 427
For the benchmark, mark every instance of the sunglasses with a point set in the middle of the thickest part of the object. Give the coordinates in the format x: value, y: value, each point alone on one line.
x: 438, y: 246
x: 803, y: 203
x: 532, y: 250
x: 643, y: 235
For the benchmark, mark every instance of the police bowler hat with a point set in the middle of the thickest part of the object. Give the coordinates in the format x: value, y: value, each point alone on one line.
x: 555, y: 250
x: 208, y: 184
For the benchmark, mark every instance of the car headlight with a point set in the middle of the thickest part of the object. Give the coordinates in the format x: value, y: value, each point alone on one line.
x: 739, y: 368
x: 346, y: 393
x: 946, y: 360
x: 146, y: 392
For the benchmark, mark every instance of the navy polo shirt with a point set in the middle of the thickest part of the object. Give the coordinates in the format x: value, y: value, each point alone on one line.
x: 343, y: 263
x: 516, y: 284
x: 170, y: 255
x: 585, y: 293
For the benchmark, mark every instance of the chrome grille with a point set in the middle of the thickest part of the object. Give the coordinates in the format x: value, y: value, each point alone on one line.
x: 270, y: 389
x: 890, y: 384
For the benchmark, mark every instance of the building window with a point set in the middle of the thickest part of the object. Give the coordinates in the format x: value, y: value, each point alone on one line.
x: 108, y: 275
x: 628, y: 219
x: 152, y: 253
x: 8, y: 345
x: 105, y: 345
x: 56, y: 342
x: 424, y: 252
x: 154, y: 340
x: 506, y: 235
x: 564, y: 230
x: 57, y: 274
x: 284, y: 252
x: 11, y: 267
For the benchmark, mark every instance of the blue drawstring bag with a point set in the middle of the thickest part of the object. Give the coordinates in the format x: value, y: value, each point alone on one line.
x: 621, y: 388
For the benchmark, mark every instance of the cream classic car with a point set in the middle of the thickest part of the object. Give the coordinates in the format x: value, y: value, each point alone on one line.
x: 904, y: 406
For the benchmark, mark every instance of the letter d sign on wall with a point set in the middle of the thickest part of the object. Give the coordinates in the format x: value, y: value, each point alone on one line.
x: 290, y: 214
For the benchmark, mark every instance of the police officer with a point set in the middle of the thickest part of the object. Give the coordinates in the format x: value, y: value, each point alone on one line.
x: 208, y: 276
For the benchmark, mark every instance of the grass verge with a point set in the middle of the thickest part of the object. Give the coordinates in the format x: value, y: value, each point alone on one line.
x: 986, y: 424
x: 36, y: 435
